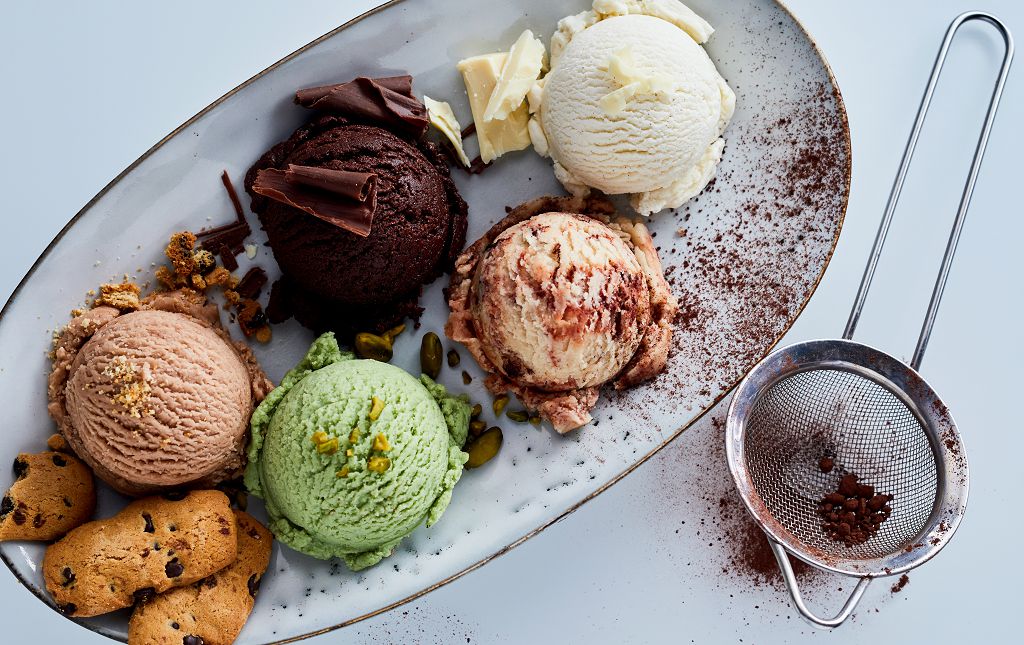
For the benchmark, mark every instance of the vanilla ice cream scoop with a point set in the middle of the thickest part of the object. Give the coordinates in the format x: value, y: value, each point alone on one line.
x: 632, y: 104
x: 560, y: 302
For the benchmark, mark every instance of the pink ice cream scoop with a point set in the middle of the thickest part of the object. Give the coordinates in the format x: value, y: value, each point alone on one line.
x: 157, y: 398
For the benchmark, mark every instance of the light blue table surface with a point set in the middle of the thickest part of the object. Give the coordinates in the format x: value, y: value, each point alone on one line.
x: 622, y: 569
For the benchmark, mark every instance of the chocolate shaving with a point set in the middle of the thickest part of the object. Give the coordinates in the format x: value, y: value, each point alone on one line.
x: 387, y: 100
x: 339, y: 197
x: 227, y: 258
x: 251, y: 283
x: 233, y: 196
x: 469, y: 130
x: 452, y: 156
x: 227, y: 240
x: 478, y: 166
x: 216, y: 230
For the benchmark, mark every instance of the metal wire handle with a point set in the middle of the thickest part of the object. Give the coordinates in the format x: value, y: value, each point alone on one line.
x: 794, y: 591
x: 940, y: 283
x: 965, y: 199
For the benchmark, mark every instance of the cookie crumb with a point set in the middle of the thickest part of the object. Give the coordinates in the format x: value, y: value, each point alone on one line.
x: 134, y: 390
x: 57, y: 443
x: 123, y: 297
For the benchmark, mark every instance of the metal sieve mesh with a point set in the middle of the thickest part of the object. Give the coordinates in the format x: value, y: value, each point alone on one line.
x: 867, y: 430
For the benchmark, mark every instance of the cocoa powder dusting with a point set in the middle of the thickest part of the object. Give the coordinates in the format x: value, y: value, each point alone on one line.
x: 737, y: 552
x: 751, y: 555
x: 742, y: 257
x: 900, y: 584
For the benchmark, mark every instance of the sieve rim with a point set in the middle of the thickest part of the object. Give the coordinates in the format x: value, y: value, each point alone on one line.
x: 911, y: 389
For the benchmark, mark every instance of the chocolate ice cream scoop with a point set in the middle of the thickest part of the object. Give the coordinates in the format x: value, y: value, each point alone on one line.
x: 158, y: 398
x: 335, y: 279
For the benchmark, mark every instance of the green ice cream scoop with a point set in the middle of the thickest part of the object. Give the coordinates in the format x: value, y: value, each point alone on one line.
x: 351, y: 455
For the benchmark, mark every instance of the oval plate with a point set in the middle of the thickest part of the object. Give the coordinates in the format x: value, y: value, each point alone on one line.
x: 743, y: 259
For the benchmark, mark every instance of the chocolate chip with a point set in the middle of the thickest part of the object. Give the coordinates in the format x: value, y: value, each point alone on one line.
x: 6, y: 506
x: 193, y: 640
x: 209, y: 582
x: 38, y: 521
x: 68, y: 577
x: 172, y: 528
x: 19, y: 517
x: 20, y: 467
x: 144, y: 595
x: 149, y: 528
x: 253, y: 533
x: 175, y: 626
x: 173, y: 569
x: 175, y: 496
x: 144, y: 553
x: 225, y: 530
x: 59, y: 461
x: 156, y: 546
x: 68, y: 503
x: 68, y: 609
x: 254, y: 584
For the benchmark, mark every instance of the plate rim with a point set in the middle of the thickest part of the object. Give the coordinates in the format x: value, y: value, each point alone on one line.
x: 848, y: 175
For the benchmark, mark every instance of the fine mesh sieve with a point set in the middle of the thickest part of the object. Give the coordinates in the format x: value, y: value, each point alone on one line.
x: 867, y: 430
x: 873, y: 415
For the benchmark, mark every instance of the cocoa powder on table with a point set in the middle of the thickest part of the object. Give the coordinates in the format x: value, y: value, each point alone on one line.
x: 900, y: 584
x: 751, y: 555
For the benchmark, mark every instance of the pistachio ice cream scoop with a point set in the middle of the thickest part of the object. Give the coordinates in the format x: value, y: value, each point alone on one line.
x: 352, y: 455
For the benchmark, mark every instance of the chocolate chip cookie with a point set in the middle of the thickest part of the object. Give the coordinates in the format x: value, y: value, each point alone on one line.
x: 53, y: 492
x: 153, y: 545
x: 213, y: 610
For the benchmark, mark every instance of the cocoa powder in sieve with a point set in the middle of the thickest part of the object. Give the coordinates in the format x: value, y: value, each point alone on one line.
x: 853, y: 513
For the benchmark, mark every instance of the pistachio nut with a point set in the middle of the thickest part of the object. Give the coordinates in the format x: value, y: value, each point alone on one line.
x: 430, y: 355
x: 483, y: 448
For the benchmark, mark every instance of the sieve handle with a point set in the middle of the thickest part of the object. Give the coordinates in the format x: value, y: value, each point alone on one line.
x: 794, y: 591
x: 965, y: 198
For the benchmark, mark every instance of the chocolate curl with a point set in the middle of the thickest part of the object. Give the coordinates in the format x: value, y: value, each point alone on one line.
x: 357, y: 186
x: 232, y: 195
x: 339, y: 197
x: 387, y: 100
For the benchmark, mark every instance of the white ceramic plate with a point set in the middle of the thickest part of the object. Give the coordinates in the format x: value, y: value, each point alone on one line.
x: 743, y: 259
